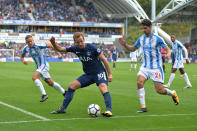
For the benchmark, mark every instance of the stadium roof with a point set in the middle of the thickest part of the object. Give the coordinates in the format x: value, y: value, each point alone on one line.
x: 115, y: 8
x: 178, y: 11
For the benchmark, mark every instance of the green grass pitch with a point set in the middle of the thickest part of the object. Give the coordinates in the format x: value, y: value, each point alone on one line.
x: 17, y: 89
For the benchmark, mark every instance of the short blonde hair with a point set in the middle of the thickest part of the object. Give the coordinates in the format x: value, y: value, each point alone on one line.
x: 77, y: 35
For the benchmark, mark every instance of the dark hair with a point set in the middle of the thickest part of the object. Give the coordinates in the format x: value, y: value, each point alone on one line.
x: 146, y: 22
x: 27, y: 36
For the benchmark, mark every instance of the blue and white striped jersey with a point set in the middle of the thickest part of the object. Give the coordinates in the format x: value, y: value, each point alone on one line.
x: 151, y: 47
x: 37, y: 52
x: 177, y: 48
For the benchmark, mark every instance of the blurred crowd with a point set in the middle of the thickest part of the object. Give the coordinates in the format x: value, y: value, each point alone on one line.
x: 18, y: 48
x: 13, y: 10
x: 51, y: 10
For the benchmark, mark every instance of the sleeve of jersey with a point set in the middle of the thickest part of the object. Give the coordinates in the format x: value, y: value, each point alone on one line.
x: 180, y: 44
x: 70, y: 49
x: 137, y: 43
x: 162, y: 42
x: 24, y: 51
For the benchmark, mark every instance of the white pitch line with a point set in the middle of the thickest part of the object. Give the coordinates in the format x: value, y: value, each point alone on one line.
x: 89, y: 118
x: 24, y: 111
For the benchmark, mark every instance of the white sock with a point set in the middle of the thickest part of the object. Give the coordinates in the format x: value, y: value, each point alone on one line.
x: 40, y: 86
x: 169, y: 92
x: 58, y: 87
x: 186, y: 79
x: 131, y: 66
x: 135, y: 66
x: 171, y: 78
x: 141, y: 94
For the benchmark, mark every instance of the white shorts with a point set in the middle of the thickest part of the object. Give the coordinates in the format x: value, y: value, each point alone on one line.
x: 156, y: 75
x: 133, y: 59
x: 178, y: 64
x: 44, y: 71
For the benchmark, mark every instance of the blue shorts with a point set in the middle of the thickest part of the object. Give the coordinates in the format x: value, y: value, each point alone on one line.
x: 88, y: 79
x: 114, y: 58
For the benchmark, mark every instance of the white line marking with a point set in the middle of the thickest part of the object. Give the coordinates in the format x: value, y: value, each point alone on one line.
x: 89, y: 118
x: 24, y: 111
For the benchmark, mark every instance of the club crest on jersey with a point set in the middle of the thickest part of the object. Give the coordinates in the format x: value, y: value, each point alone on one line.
x: 88, y: 53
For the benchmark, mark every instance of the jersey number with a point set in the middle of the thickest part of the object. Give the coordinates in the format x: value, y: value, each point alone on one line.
x: 102, y: 75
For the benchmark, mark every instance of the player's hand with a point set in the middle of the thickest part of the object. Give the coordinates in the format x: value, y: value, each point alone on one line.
x: 60, y: 56
x: 122, y: 41
x: 52, y: 40
x: 167, y: 56
x: 25, y: 62
x: 110, y: 77
x: 187, y: 61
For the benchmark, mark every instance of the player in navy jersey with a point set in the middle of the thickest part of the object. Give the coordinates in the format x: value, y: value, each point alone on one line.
x: 94, y: 71
x: 37, y: 52
x: 114, y: 56
x: 151, y: 67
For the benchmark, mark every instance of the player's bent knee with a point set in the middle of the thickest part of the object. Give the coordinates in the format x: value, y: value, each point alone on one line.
x: 75, y: 85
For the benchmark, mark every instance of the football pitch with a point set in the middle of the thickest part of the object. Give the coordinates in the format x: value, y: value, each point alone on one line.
x: 20, y: 108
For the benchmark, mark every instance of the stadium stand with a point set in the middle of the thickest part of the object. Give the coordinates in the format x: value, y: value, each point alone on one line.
x: 13, y: 10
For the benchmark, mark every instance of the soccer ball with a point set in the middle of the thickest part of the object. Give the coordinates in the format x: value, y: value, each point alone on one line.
x: 94, y: 110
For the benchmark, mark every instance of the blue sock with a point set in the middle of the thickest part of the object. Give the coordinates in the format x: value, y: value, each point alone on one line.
x: 67, y: 99
x: 107, y: 99
x: 114, y: 65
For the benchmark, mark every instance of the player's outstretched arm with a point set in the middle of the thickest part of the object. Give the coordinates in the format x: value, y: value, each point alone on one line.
x: 124, y: 43
x: 23, y: 61
x: 104, y: 60
x: 56, y: 46
x: 168, y: 52
x: 49, y: 45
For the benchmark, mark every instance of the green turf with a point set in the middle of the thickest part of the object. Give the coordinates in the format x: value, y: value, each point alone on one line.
x: 17, y: 89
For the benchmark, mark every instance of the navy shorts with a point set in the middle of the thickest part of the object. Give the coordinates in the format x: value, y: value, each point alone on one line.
x: 114, y: 58
x: 88, y: 79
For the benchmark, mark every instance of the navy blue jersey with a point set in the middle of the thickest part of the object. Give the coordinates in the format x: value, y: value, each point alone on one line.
x: 89, y: 58
x: 114, y: 53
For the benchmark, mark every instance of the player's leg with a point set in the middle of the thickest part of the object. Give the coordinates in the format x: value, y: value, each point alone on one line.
x: 36, y: 76
x: 114, y: 64
x: 165, y: 91
x: 135, y: 65
x: 107, y: 99
x: 141, y: 92
x: 185, y: 76
x: 54, y: 84
x: 82, y: 81
x: 68, y: 97
x: 172, y: 76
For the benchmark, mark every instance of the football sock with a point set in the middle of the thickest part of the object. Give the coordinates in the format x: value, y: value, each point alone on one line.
x: 131, y: 66
x: 40, y: 86
x: 114, y: 65
x: 135, y: 66
x: 58, y: 87
x: 169, y: 92
x: 141, y: 94
x: 186, y: 79
x: 67, y: 99
x: 171, y: 78
x: 107, y: 99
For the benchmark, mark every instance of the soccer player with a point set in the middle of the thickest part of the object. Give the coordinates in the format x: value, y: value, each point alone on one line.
x: 37, y: 52
x: 163, y: 53
x: 94, y: 71
x: 133, y: 56
x: 177, y: 48
x: 114, y: 56
x: 151, y: 64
